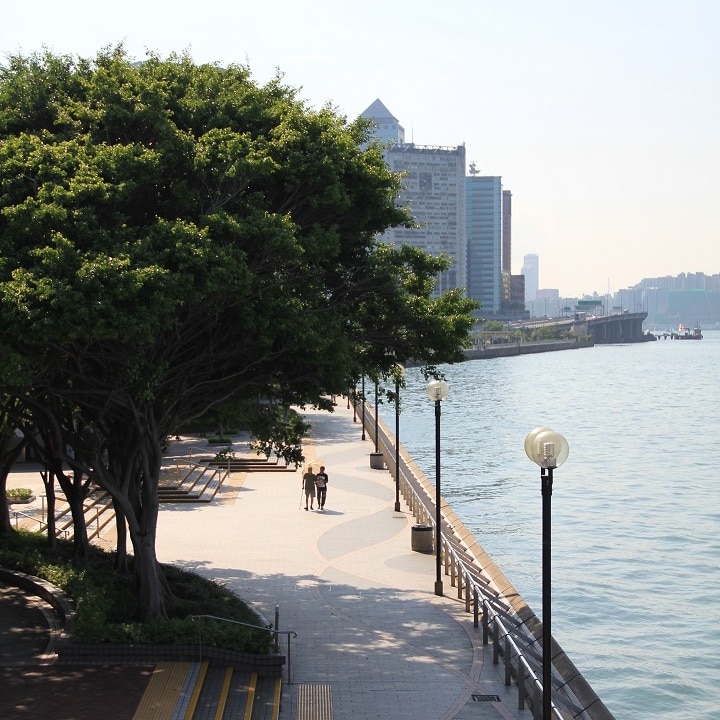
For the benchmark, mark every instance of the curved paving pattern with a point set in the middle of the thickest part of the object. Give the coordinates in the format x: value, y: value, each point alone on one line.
x: 373, y: 641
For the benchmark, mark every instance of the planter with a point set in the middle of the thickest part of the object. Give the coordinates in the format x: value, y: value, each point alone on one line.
x: 20, y: 501
x: 377, y: 461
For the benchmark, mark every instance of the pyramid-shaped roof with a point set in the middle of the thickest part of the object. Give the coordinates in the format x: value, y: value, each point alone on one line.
x: 378, y: 111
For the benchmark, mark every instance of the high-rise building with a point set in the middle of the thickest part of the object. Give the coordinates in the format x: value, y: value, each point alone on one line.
x: 386, y: 127
x: 531, y: 271
x: 507, y: 231
x: 484, y: 229
x: 433, y: 189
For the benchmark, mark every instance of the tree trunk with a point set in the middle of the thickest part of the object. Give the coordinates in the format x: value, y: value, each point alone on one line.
x: 121, y: 556
x: 5, y: 522
x: 75, y: 493
x: 49, y: 482
x: 9, y: 456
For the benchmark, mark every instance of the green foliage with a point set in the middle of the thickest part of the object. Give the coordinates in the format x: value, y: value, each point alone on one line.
x: 279, y: 430
x: 175, y: 239
x: 106, y: 605
x: 15, y: 494
x: 224, y: 455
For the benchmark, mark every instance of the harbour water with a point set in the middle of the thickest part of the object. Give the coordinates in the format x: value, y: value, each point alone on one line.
x: 635, y: 509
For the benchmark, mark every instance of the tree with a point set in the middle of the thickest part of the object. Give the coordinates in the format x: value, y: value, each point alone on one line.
x: 174, y: 237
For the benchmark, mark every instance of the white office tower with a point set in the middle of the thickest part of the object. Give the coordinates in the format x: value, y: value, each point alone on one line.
x: 433, y: 188
x: 484, y: 228
x: 531, y: 271
x: 386, y: 127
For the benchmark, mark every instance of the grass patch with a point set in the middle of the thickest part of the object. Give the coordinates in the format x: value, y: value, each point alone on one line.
x: 106, y: 605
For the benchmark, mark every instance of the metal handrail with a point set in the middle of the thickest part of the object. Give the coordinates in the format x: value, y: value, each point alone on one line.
x: 499, y: 619
x: 19, y: 513
x: 266, y: 628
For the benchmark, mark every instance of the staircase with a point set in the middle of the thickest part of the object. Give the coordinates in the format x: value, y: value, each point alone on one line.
x: 255, y: 464
x: 196, y: 484
x: 201, y: 691
x: 99, y: 513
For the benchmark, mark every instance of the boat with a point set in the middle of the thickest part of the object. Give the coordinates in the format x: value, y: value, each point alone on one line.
x: 684, y: 333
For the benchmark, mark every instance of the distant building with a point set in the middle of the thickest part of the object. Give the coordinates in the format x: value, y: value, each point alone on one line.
x: 387, y: 128
x: 434, y: 192
x: 531, y: 271
x: 512, y: 305
x: 484, y: 228
x: 669, y: 301
x: 506, y: 231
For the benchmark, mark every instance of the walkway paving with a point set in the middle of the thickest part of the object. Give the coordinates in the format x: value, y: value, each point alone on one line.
x: 369, y: 626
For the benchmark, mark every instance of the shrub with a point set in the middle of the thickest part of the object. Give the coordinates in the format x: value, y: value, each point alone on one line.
x: 106, y: 609
x: 14, y: 494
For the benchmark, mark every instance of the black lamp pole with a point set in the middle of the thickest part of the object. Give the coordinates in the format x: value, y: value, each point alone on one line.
x: 546, y: 480
x: 397, y: 444
x: 363, y: 408
x: 377, y: 424
x: 438, y: 576
x: 549, y: 450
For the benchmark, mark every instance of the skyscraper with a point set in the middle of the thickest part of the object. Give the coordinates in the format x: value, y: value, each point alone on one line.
x: 506, y: 231
x: 531, y: 271
x: 484, y: 229
x: 433, y: 188
x: 386, y: 127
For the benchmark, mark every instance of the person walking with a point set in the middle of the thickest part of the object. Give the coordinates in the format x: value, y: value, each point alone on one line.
x: 308, y: 482
x: 321, y: 481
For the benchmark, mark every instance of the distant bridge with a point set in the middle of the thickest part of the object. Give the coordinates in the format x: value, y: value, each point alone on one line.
x: 621, y: 328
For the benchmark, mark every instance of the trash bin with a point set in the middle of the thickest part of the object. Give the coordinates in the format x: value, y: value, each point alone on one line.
x: 421, y: 538
x: 377, y: 461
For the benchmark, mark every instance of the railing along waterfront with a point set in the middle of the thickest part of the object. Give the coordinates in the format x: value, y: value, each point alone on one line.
x: 506, y: 619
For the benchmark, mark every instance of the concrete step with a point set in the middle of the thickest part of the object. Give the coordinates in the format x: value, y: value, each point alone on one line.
x: 200, y: 484
x: 201, y: 691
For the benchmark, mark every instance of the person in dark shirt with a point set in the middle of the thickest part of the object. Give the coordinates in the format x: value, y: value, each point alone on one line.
x: 321, y: 481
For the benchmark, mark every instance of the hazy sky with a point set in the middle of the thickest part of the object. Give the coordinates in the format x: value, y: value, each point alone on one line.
x: 603, y: 119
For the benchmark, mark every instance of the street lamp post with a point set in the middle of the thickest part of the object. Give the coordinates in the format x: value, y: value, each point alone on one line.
x: 549, y: 450
x: 437, y: 391
x: 377, y: 424
x: 399, y: 372
x: 362, y: 437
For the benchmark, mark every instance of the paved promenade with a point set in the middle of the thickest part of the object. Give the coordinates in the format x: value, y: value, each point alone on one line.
x: 370, y: 630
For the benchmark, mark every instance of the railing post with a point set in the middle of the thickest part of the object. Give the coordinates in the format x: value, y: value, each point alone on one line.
x: 508, y: 661
x: 537, y: 701
x: 485, y: 623
x: 277, y: 627
x: 496, y: 645
x: 476, y: 609
x: 199, y: 622
x: 289, y: 663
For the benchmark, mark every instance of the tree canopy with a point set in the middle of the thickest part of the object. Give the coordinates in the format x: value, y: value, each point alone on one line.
x: 174, y: 237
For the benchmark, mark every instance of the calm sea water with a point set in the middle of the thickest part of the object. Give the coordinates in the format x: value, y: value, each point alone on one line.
x: 635, y: 509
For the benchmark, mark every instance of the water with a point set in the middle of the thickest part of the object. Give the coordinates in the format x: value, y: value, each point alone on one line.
x: 635, y: 509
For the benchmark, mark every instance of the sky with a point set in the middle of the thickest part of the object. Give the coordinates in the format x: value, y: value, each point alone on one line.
x: 603, y: 119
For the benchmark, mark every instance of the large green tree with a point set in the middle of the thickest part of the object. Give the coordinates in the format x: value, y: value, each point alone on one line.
x: 173, y: 236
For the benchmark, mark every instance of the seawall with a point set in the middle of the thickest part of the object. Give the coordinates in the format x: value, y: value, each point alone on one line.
x: 419, y: 494
x: 488, y: 351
